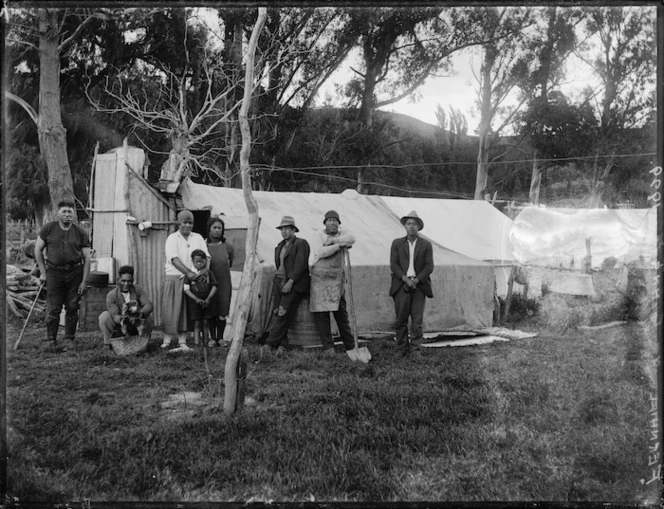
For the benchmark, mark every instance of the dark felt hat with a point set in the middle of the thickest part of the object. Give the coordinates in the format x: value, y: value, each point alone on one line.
x: 288, y: 221
x: 331, y: 213
x: 412, y: 215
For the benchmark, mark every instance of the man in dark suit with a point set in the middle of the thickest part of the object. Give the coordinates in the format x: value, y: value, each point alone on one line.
x: 291, y: 282
x: 411, y: 263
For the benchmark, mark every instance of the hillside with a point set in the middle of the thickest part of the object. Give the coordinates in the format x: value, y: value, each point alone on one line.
x: 409, y: 124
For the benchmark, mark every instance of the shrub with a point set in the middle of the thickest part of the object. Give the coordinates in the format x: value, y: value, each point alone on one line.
x: 521, y: 308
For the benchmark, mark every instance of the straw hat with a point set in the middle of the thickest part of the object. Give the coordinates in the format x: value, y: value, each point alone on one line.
x: 288, y: 221
x: 412, y: 215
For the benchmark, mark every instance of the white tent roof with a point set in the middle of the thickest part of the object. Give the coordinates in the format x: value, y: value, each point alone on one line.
x: 367, y: 219
x: 553, y: 236
x: 463, y: 287
x: 474, y: 228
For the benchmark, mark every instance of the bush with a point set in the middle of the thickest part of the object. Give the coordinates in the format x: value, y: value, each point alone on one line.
x: 609, y: 263
x: 521, y: 309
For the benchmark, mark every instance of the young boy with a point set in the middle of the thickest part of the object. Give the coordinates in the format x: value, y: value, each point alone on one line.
x: 199, y: 294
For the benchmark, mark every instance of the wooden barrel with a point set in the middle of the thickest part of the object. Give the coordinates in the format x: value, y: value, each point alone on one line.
x: 91, y: 306
x: 302, y: 331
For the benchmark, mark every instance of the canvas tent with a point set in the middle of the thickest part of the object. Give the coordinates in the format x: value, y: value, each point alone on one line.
x: 473, y: 228
x: 557, y: 236
x: 122, y: 201
x: 554, y: 243
x: 463, y: 287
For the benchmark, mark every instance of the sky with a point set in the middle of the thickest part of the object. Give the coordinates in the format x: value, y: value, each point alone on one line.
x: 459, y: 89
x: 456, y: 89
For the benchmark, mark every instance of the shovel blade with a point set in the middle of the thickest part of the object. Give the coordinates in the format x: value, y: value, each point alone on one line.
x: 359, y: 354
x: 363, y: 354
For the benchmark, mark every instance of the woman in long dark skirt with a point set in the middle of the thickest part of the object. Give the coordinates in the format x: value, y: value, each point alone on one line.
x: 221, y: 261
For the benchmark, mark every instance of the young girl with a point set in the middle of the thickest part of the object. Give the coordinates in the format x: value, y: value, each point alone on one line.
x: 199, y: 294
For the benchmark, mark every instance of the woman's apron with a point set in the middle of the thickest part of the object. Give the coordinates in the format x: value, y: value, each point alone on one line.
x: 327, y: 283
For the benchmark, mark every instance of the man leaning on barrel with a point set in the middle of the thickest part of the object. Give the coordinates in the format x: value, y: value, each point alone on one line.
x: 291, y: 283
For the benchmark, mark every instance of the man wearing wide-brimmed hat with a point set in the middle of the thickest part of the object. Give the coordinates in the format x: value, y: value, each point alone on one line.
x: 327, y: 282
x: 411, y: 263
x: 291, y: 281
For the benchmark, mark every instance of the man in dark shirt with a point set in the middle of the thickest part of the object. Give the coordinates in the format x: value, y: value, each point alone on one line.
x: 64, y: 270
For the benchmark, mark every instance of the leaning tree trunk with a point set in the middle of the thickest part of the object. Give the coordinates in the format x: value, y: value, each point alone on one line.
x: 52, y: 134
x: 249, y: 271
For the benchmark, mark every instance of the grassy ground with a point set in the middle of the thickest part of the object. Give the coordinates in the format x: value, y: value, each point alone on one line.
x: 556, y: 417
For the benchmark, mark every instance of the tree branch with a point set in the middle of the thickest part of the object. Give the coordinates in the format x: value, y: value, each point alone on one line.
x: 64, y: 44
x: 34, y: 116
x: 357, y: 72
x: 511, y: 116
x: 26, y: 43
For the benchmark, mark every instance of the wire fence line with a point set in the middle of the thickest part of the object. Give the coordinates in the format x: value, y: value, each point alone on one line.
x: 450, y: 163
x: 19, y: 231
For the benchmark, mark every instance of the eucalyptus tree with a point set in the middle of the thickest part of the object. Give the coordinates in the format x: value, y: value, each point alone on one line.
x: 399, y: 49
x: 557, y: 131
x: 301, y: 48
x: 522, y: 62
x: 620, y: 53
x: 504, y: 65
x: 51, y: 34
x: 550, y: 54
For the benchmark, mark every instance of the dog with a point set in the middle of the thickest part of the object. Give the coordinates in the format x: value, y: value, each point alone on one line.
x: 132, y: 322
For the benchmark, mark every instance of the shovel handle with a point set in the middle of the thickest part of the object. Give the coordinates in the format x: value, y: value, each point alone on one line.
x: 41, y: 285
x: 350, y: 297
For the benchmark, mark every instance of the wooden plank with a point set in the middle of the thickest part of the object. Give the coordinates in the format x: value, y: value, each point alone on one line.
x: 120, y: 236
x: 104, y: 199
x: 508, y: 298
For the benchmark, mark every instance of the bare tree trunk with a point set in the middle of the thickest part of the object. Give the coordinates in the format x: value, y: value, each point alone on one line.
x: 535, y: 181
x: 52, y: 134
x: 482, y: 176
x: 486, y: 116
x: 233, y: 41
x: 367, y: 109
x: 249, y: 271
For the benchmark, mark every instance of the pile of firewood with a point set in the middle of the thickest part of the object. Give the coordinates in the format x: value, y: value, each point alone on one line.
x: 22, y: 289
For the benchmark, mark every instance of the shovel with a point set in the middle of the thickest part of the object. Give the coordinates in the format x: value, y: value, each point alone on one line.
x: 356, y: 354
x: 41, y: 285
